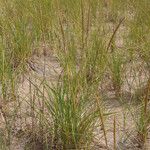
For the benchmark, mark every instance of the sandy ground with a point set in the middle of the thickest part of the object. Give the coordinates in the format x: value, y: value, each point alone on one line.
x: 125, y: 126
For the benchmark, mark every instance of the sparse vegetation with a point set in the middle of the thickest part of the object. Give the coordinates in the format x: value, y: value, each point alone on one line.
x: 74, y: 74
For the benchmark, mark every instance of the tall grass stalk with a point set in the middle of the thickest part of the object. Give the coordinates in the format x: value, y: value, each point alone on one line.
x: 101, y: 117
x: 114, y: 133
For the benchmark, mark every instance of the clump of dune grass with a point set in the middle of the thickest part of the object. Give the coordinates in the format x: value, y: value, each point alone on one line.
x: 82, y: 34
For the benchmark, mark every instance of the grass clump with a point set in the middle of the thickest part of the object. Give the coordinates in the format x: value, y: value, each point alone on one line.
x: 95, y: 43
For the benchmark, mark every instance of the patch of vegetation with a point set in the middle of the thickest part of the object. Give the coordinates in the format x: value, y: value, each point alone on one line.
x: 103, y: 50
